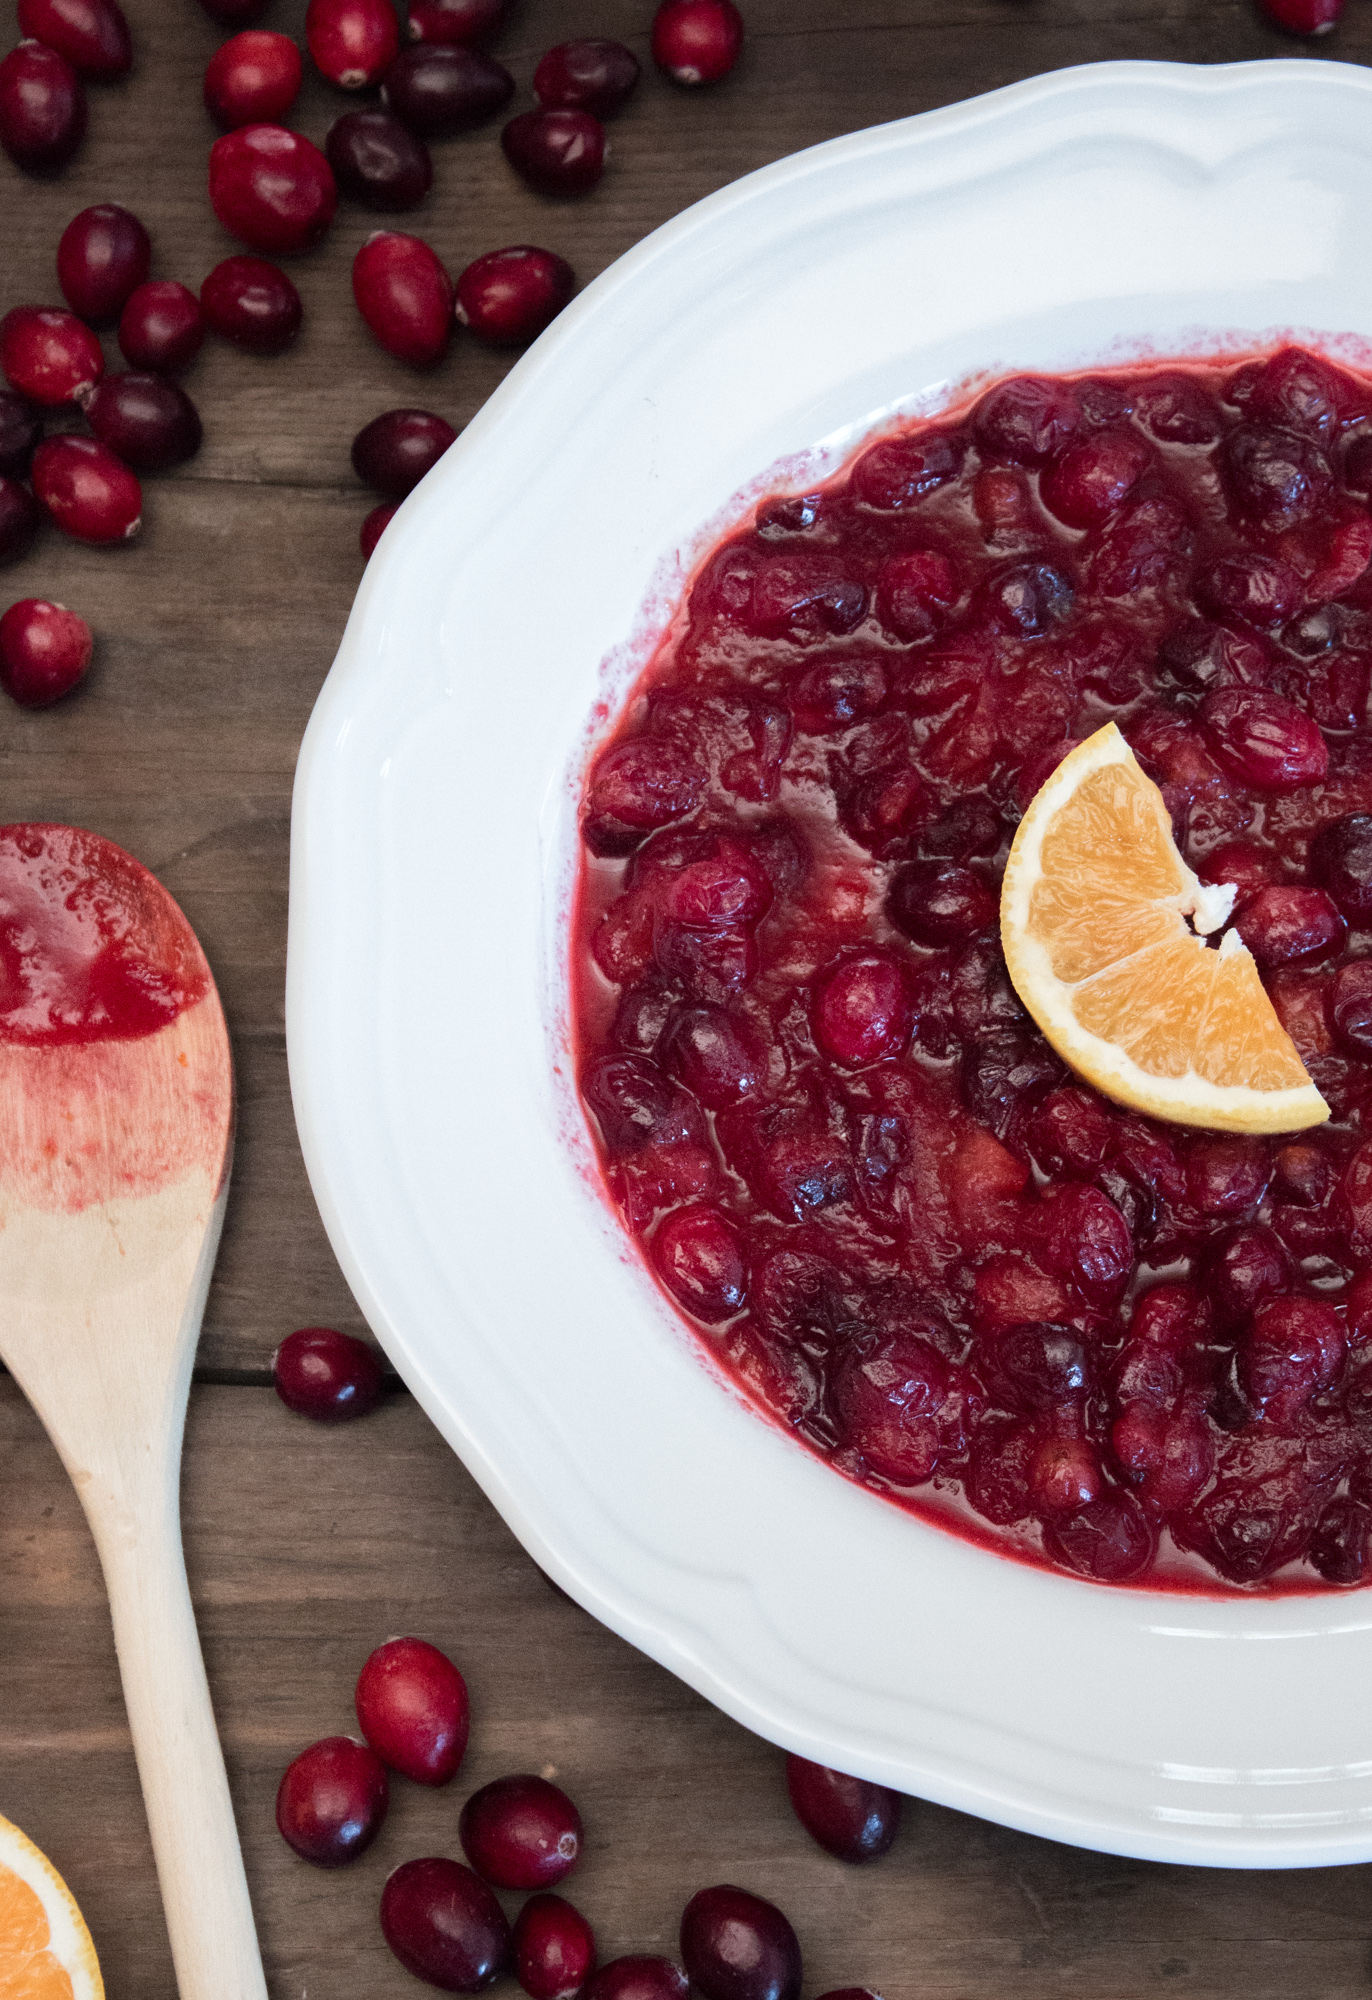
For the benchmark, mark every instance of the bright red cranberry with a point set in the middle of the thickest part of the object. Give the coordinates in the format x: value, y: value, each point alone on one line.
x: 851, y: 1818
x: 49, y: 355
x: 1249, y: 1265
x: 737, y: 1946
x: 557, y: 152
x: 394, y: 451
x: 933, y: 902
x: 1303, y: 17
x: 19, y: 518
x: 1285, y: 922
x: 1341, y: 1546
x: 351, y: 41
x: 1093, y: 478
x: 1295, y: 1348
x: 863, y: 1010
x: 405, y: 296
x: 149, y: 422
x: 637, y: 1978
x: 253, y: 79
x: 377, y: 161
x: 509, y: 296
x: 412, y: 1705
x: 42, y: 108
x: 697, y: 41
x: 450, y: 21
x: 90, y: 494
x: 161, y: 327
x: 44, y: 651
x: 20, y: 429
x: 594, y: 76
x: 332, y: 1800
x: 1109, y: 1540
x: 104, y: 254
x: 271, y: 188
x: 520, y: 1833
x: 92, y: 34
x: 437, y: 91
x: 444, y: 1925
x: 251, y: 304
x: 554, y: 1949
x: 1341, y: 858
x: 1263, y: 739
x: 374, y: 527
x: 1278, y: 478
x: 699, y: 1257
x: 1350, y: 1004
x: 329, y: 1376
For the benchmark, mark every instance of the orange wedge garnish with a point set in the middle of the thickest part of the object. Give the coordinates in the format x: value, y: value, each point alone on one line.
x: 45, y: 1949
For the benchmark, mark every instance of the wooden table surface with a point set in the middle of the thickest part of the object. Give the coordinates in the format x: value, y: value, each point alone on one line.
x: 306, y: 1547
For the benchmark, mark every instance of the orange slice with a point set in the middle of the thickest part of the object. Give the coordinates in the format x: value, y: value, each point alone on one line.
x: 45, y: 1949
x: 1093, y: 916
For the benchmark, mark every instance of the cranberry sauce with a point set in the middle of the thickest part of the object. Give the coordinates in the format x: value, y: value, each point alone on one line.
x: 1135, y: 1351
x: 92, y: 948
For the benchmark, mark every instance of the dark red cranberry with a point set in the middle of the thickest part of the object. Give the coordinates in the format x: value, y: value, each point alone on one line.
x: 1341, y: 1546
x: 1341, y: 858
x: 92, y: 34
x: 557, y: 152
x: 1303, y: 17
x: 332, y: 1377
x: 1037, y: 1365
x: 444, y: 1925
x: 1227, y: 1176
x: 637, y: 1978
x: 374, y: 527
x: 90, y: 493
x: 161, y: 327
x: 1094, y: 477
x: 897, y: 1403
x: 737, y: 1946
x: 1295, y: 1348
x: 1109, y: 1540
x: 332, y: 1800
x: 394, y: 451
x: 898, y: 472
x: 1027, y: 419
x: 104, y: 254
x: 19, y: 518
x: 252, y: 304
x: 253, y: 79
x: 1201, y: 655
x: 595, y: 76
x: 149, y: 422
x: 1263, y: 739
x: 49, y: 356
x: 1287, y: 922
x: 436, y: 90
x: 863, y: 1010
x: 509, y: 296
x: 405, y: 296
x: 1278, y: 478
x: 697, y: 41
x: 1177, y: 409
x: 412, y: 1705
x: 717, y: 1054
x: 42, y: 108
x: 450, y: 21
x: 1258, y: 589
x: 271, y: 188
x: 1357, y: 465
x: 1027, y: 599
x: 851, y: 1818
x: 377, y: 161
x: 1350, y: 1004
x: 698, y: 1255
x: 521, y: 1833
x: 21, y: 427
x: 351, y: 41
x: 935, y: 902
x: 1071, y: 1132
x: 638, y: 786
x: 44, y: 651
x: 554, y: 1949
x: 1248, y: 1265
x: 1298, y: 390
x: 915, y: 592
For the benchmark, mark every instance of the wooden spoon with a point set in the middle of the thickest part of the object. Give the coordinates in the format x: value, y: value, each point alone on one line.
x: 115, y: 1142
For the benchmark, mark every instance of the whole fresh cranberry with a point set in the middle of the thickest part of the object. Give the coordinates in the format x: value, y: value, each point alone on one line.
x: 1263, y: 739
x: 521, y: 1833
x: 394, y: 451
x: 377, y: 161
x: 554, y: 1949
x: 437, y: 90
x: 1248, y: 1264
x: 49, y: 356
x: 19, y: 518
x: 374, y: 527
x: 556, y: 151
x: 412, y: 1705
x: 332, y: 1801
x: 863, y: 1010
x: 405, y: 296
x: 254, y: 78
x: 146, y: 420
x: 1341, y: 858
x: 444, y: 1925
x: 104, y: 254
x: 1295, y: 1347
x: 21, y: 427
x: 161, y: 327
x: 1303, y: 17
x: 351, y: 41
x: 271, y: 188
x: 737, y: 1946
x: 1286, y: 922
x: 595, y: 76
x: 508, y: 296
x: 44, y: 651
x: 252, y: 304
x: 42, y: 108
x: 89, y: 493
x: 332, y: 1377
x: 92, y: 34
x: 697, y: 41
x: 450, y: 21
x: 637, y: 1978
x: 699, y: 1257
x: 851, y: 1818
x: 939, y: 903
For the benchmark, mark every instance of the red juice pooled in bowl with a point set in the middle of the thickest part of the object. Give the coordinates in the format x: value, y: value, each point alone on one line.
x: 1138, y: 1352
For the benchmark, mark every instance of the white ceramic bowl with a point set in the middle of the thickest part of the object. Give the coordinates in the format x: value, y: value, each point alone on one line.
x: 1083, y: 217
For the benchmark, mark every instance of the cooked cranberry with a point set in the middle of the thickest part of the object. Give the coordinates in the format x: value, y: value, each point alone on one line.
x: 374, y: 527
x: 1039, y: 1365
x: 19, y: 518
x: 1258, y: 589
x: 833, y: 693
x: 44, y: 651
x: 716, y: 1054
x: 934, y: 903
x: 897, y: 1404
x: 1263, y: 739
x: 1315, y: 631
x: 1341, y: 858
x: 436, y: 90
x: 1026, y: 599
x: 21, y: 427
x: 1295, y: 1348
x: 898, y: 472
x: 915, y: 592
x: 851, y: 1818
x: 554, y: 1949
x: 329, y: 1376
x: 49, y: 356
x: 378, y: 161
x: 42, y: 108
x: 1201, y: 655
x: 699, y: 1257
x: 1071, y: 1132
x: 521, y: 1833
x: 412, y: 1705
x: 271, y: 188
x: 509, y: 296
x: 1350, y: 1004
x: 444, y: 1925
x: 1284, y: 923
x: 1176, y: 409
x: 1064, y: 1473
x: 636, y: 1978
x: 103, y: 255
x: 594, y: 76
x: 1357, y: 464
x: 254, y: 78
x: 1226, y: 1176
x: 454, y: 20
x: 1303, y: 17
x: 89, y: 492
x: 395, y: 450
x: 351, y: 41
x: 638, y: 785
x: 1109, y: 1540
x: 1278, y: 478
x: 1167, y: 1452
x: 1247, y: 1266
x: 1341, y: 1546
x: 148, y: 421
x: 636, y: 1105
x: 863, y: 1010
x: 556, y: 151
x: 1094, y: 477
x: 92, y: 34
x: 249, y: 302
x: 1355, y: 1194
x: 1083, y: 1237
x: 332, y: 1800
x: 736, y: 1946
x: 405, y: 296
x: 1028, y: 419
x: 1299, y: 391
x: 850, y: 1993
x: 161, y: 327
